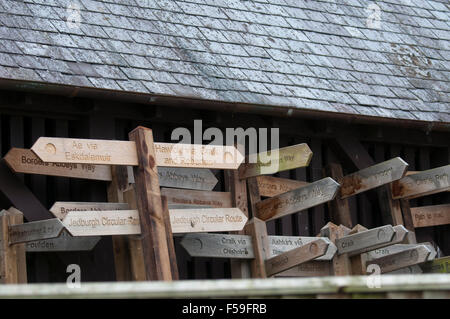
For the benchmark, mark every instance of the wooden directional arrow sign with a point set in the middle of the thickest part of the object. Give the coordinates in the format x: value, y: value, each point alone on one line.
x: 440, y: 265
x: 296, y: 256
x: 126, y: 222
x: 25, y: 161
x: 400, y: 233
x: 276, y: 161
x: 270, y: 186
x: 207, y: 220
x: 240, y: 246
x: 298, y: 199
x: 281, y: 244
x: 107, y: 152
x: 190, y: 178
x: 424, y: 183
x: 43, y: 229
x: 405, y: 258
x: 65, y: 242
x: 361, y: 241
x: 218, y: 246
x: 60, y: 209
x: 371, y: 177
x: 194, y: 197
x: 102, y: 223
x: 426, y: 216
x: 393, y: 249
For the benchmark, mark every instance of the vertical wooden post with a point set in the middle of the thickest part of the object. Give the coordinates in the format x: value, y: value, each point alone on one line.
x: 151, y: 213
x: 257, y: 229
x: 238, y: 190
x: 341, y: 263
x: 358, y: 262
x: 339, y: 208
x: 408, y: 222
x: 13, y: 268
x: 120, y: 243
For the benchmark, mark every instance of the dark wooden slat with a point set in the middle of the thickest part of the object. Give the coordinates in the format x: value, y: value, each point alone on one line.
x: 318, y: 212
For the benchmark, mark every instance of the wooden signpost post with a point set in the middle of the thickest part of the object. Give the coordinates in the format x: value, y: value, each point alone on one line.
x: 65, y: 242
x: 13, y: 267
x: 39, y: 230
x: 298, y: 199
x: 423, y: 183
x: 188, y: 178
x: 196, y: 197
x: 108, y: 152
x: 275, y: 161
x: 25, y: 161
x: 426, y: 216
x: 61, y: 209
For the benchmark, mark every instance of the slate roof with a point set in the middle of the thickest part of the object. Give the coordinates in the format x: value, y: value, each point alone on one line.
x: 308, y: 54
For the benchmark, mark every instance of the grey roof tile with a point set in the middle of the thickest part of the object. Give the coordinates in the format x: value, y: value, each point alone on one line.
x: 315, y: 54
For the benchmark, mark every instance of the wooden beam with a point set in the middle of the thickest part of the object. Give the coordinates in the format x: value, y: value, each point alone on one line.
x: 339, y: 208
x: 151, y: 213
x: 11, y: 256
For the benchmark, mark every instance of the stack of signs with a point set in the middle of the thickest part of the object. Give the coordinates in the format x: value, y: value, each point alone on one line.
x: 285, y: 252
x: 383, y: 246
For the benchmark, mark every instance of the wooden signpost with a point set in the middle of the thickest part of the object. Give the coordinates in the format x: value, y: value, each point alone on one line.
x: 362, y: 241
x: 280, y: 244
x: 241, y: 247
x: 196, y: 197
x: 402, y: 259
x: 296, y: 256
x: 270, y: 186
x: 65, y: 242
x: 393, y: 249
x: 372, y: 177
x: 207, y: 220
x: 218, y: 246
x: 61, y: 209
x: 108, y: 152
x: 25, y: 161
x: 102, y: 223
x: 423, y: 183
x: 440, y: 265
x: 39, y: 230
x: 298, y: 199
x: 189, y: 178
x: 126, y: 222
x: 426, y: 216
x: 275, y: 161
